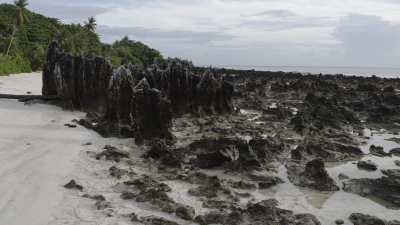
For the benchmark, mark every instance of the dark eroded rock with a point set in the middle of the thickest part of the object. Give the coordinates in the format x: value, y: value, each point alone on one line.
x: 362, y: 219
x: 112, y: 153
x: 342, y: 176
x: 270, y: 182
x: 339, y: 222
x: 378, y: 151
x: 117, y: 172
x: 73, y: 185
x: 313, y: 175
x: 326, y: 149
x: 185, y: 212
x: 367, y: 165
x: 81, y: 81
x: 386, y: 188
x: 152, y: 220
x: 235, y: 152
x: 395, y: 151
x: 167, y: 155
x: 264, y: 212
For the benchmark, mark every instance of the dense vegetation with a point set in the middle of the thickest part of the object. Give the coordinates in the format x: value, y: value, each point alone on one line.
x: 25, y: 35
x: 16, y: 64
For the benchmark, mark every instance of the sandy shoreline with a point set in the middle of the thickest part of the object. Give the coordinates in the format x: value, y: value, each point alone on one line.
x: 21, y: 83
x: 37, y: 154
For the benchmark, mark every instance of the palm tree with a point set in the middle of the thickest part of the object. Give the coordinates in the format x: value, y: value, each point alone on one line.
x: 21, y: 17
x: 21, y: 11
x: 91, y: 24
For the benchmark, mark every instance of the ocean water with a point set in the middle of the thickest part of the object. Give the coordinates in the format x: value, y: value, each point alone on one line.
x: 358, y: 71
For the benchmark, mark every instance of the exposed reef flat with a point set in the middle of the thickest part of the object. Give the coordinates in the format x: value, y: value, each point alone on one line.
x: 216, y: 146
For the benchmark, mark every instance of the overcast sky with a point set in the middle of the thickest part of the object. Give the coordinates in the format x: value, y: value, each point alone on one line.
x: 248, y: 32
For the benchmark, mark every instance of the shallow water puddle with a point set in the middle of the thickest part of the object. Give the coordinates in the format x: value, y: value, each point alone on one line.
x: 330, y: 206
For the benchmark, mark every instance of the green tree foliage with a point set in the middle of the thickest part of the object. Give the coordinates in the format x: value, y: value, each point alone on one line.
x: 34, y: 33
x: 133, y: 51
x: 15, y: 64
x: 20, y: 17
x: 91, y: 24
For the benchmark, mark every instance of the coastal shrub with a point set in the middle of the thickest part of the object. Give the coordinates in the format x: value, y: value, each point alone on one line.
x: 14, y: 64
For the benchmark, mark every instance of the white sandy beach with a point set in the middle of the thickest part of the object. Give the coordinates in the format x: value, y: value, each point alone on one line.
x: 37, y: 154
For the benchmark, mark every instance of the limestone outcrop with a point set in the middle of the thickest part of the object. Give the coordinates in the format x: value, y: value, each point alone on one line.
x: 132, y: 101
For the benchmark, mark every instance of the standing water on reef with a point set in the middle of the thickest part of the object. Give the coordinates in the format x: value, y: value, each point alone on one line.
x: 330, y: 206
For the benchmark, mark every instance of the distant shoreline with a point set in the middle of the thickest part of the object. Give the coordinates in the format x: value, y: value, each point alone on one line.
x: 388, y: 72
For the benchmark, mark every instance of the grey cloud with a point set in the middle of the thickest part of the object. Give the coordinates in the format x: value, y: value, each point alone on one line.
x: 71, y: 11
x: 283, y: 19
x: 67, y: 12
x: 369, y: 40
x: 284, y: 23
x: 193, y: 37
x: 277, y: 13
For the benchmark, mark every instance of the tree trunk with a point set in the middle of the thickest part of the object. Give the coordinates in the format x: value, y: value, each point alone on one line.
x: 25, y: 98
x: 12, y: 39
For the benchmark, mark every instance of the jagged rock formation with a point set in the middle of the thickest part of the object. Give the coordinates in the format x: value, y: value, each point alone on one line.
x: 81, y: 81
x: 312, y: 175
x: 132, y: 101
x: 320, y: 112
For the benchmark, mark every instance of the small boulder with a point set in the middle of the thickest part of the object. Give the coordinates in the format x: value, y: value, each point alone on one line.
x: 243, y: 185
x: 101, y: 205
x: 126, y: 195
x: 339, y: 222
x: 94, y: 197
x: 133, y: 217
x: 112, y: 153
x: 73, y: 185
x: 272, y: 181
x: 185, y: 212
x: 211, y: 218
x: 117, y: 172
x: 70, y: 125
x: 378, y: 151
x: 362, y: 219
x: 394, y: 174
x: 367, y: 165
x: 313, y: 175
x: 152, y: 220
x: 395, y: 151
x: 342, y: 176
